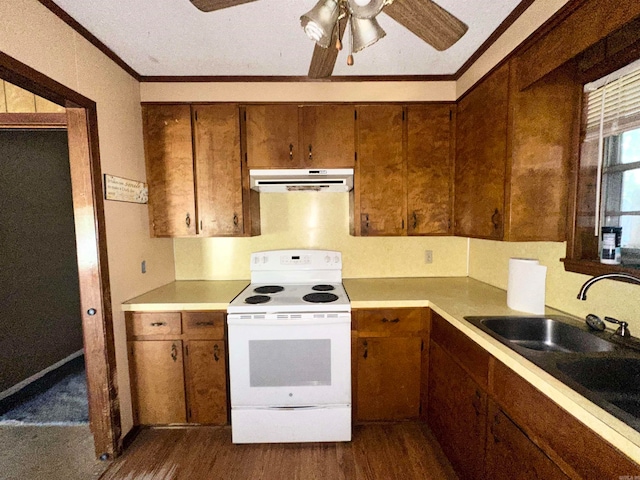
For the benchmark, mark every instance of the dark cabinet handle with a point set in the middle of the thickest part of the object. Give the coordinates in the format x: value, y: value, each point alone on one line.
x: 204, y: 324
x: 495, y: 219
x: 496, y: 422
x: 235, y: 219
x: 174, y: 352
x: 310, y: 153
x: 364, y: 219
x: 415, y: 220
x: 158, y: 324
x: 291, y: 151
x: 477, y: 403
x: 385, y: 320
x: 216, y: 352
x: 187, y: 220
x: 366, y: 349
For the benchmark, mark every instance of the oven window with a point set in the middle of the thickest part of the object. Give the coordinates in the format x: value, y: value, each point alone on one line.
x: 289, y: 363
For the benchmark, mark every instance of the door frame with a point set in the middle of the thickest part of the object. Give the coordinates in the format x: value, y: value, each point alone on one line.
x: 91, y: 246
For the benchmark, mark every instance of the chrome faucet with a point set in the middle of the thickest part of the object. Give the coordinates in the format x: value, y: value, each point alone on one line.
x: 623, y: 330
x: 582, y: 295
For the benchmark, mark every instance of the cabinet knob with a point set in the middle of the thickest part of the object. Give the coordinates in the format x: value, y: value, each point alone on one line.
x: 291, y: 151
x: 187, y: 220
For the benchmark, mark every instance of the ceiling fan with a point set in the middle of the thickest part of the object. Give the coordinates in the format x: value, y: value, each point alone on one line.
x: 327, y: 21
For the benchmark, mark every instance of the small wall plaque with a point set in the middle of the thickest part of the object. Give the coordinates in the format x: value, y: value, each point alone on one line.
x: 125, y: 190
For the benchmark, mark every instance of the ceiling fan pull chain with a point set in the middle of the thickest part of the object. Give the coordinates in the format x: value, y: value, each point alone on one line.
x: 350, y: 57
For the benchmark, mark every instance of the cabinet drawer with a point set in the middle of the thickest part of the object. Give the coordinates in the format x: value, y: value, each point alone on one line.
x: 388, y: 321
x: 471, y: 356
x: 142, y: 324
x: 203, y: 324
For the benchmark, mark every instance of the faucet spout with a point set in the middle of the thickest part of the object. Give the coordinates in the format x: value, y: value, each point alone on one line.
x: 582, y: 295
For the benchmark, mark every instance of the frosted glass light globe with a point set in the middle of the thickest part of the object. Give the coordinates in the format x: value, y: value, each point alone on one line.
x: 362, y: 3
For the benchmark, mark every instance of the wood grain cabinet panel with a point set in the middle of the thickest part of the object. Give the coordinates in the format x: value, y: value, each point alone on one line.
x: 272, y: 136
x: 218, y: 166
x: 157, y: 382
x: 198, y: 185
x: 390, y: 321
x: 204, y: 325
x: 380, y: 185
x: 388, y: 378
x: 169, y: 161
x: 429, y: 168
x: 141, y: 324
x: 327, y: 137
x: 481, y: 152
x: 206, y: 382
x: 457, y: 413
x: 511, y: 455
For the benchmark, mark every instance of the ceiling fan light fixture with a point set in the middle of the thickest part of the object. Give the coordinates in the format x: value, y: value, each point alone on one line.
x: 365, y: 32
x: 318, y: 23
x: 365, y: 9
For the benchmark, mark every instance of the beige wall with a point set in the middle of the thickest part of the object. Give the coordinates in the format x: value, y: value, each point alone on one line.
x: 33, y: 35
x: 319, y: 220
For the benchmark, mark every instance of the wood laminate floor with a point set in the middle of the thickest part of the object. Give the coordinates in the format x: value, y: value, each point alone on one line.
x: 378, y: 451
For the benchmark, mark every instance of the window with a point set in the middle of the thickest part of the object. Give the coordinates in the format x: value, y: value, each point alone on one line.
x: 612, y: 139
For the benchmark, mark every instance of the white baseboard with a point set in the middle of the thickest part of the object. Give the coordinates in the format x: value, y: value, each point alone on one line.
x: 19, y: 386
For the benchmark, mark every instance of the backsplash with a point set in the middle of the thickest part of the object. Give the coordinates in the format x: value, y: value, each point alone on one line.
x: 318, y: 220
x: 489, y: 263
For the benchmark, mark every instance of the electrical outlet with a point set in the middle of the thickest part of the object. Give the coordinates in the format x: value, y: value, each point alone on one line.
x: 428, y: 256
x: 143, y: 266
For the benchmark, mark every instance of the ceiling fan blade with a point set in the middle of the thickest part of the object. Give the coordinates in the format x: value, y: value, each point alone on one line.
x: 324, y: 59
x: 427, y: 20
x: 211, y: 5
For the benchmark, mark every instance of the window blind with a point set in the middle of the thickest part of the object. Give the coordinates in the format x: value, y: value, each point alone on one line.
x: 614, y: 101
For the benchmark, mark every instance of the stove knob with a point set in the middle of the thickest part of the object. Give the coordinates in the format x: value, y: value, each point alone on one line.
x: 265, y: 259
x: 336, y: 259
x: 327, y: 259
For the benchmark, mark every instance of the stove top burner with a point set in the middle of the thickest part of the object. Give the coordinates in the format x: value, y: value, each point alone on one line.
x: 257, y: 299
x: 323, y: 288
x: 269, y: 289
x: 320, y: 297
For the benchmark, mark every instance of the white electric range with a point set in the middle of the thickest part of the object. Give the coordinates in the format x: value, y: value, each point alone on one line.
x: 289, y: 336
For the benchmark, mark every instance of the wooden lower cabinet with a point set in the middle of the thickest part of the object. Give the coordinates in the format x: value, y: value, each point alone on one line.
x: 457, y: 413
x: 206, y: 381
x: 157, y: 382
x: 387, y: 350
x: 511, y: 455
x: 177, y: 367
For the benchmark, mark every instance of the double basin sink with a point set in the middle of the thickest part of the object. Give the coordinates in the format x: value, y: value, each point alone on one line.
x: 602, y: 368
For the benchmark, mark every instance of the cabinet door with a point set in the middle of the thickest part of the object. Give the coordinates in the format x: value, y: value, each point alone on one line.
x: 157, y: 382
x: 380, y: 170
x: 169, y: 159
x: 218, y: 169
x: 272, y: 136
x: 388, y: 378
x: 429, y: 169
x: 206, y: 381
x: 327, y: 139
x: 481, y: 153
x: 457, y: 409
x: 508, y: 446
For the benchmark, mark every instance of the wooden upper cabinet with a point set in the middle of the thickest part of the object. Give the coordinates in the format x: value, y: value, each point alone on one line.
x: 292, y: 136
x: 544, y: 118
x: 481, y: 154
x: 327, y: 138
x: 429, y: 168
x: 218, y: 169
x: 379, y: 184
x: 272, y: 136
x: 168, y: 150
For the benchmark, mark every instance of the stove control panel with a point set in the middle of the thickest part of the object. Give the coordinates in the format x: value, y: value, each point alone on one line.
x: 295, y: 260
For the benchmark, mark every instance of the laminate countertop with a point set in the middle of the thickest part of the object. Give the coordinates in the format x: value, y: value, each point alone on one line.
x: 451, y: 297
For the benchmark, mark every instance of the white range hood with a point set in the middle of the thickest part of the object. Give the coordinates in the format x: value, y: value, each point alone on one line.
x: 298, y: 179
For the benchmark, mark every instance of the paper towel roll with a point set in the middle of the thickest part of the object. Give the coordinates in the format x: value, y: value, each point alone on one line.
x: 526, y: 285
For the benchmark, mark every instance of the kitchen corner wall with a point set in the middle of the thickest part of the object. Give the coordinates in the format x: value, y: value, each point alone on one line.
x: 489, y: 263
x: 320, y: 221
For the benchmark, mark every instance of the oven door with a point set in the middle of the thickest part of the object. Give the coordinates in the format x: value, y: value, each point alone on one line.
x: 290, y: 363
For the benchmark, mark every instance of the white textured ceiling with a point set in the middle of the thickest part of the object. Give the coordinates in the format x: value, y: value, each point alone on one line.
x: 264, y: 38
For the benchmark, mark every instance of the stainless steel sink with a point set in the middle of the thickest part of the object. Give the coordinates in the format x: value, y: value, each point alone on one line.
x: 617, y: 380
x: 543, y: 334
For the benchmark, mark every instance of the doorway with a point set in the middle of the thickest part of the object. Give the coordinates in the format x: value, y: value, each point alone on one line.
x: 91, y: 251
